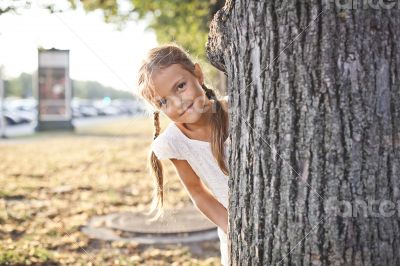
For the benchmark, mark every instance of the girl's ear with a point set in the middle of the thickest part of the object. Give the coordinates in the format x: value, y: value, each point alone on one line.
x: 198, y: 73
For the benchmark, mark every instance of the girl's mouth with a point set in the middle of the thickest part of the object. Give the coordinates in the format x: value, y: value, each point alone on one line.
x: 187, y: 109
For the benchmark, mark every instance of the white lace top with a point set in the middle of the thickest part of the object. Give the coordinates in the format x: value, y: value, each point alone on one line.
x: 173, y: 143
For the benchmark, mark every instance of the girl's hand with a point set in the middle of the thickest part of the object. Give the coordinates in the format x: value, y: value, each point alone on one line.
x: 200, y: 195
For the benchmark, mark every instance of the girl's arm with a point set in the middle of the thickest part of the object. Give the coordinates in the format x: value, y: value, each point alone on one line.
x: 200, y: 195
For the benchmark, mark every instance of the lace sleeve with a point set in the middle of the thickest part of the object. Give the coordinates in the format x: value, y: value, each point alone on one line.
x: 164, y: 148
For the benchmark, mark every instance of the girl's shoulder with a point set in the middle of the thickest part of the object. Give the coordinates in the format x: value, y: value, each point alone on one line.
x: 167, y: 144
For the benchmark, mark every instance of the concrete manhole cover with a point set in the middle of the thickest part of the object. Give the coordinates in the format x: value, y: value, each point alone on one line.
x: 183, y: 225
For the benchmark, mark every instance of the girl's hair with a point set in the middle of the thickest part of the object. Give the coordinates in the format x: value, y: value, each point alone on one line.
x: 159, y: 58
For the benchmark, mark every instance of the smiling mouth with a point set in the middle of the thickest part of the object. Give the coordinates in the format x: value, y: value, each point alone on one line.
x: 187, y: 109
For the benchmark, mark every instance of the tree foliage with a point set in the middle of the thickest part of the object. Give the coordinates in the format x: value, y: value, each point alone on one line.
x: 186, y: 22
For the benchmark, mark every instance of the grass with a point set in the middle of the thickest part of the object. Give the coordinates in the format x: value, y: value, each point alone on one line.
x: 51, y: 183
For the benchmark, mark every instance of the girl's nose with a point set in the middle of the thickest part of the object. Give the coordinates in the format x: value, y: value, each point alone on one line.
x: 177, y: 103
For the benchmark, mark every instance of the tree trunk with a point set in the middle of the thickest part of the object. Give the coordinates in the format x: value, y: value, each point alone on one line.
x: 315, y: 131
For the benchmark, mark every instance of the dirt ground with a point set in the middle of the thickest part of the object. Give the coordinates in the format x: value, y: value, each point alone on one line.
x: 52, y: 183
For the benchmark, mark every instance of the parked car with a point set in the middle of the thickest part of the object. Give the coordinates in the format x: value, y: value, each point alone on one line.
x: 75, y: 112
x: 18, y: 111
x: 11, y: 118
x: 108, y: 110
x: 15, y: 117
x: 88, y: 111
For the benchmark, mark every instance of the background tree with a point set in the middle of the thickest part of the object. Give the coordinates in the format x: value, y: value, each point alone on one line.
x: 315, y: 114
x: 185, y: 22
x: 13, y: 6
x: 21, y: 86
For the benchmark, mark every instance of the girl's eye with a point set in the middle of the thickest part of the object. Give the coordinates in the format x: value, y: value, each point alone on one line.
x: 180, y: 86
x: 163, y: 101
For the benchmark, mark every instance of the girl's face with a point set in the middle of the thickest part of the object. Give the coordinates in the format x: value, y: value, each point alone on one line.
x: 181, y: 96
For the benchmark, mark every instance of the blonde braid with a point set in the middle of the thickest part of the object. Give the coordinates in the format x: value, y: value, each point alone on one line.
x: 158, y: 175
x: 157, y: 128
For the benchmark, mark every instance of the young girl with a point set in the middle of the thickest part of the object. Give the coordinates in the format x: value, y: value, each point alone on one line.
x: 196, y: 139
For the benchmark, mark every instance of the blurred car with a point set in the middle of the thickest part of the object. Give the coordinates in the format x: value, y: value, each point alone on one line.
x: 75, y: 112
x: 108, y: 110
x: 18, y: 117
x: 88, y: 111
x: 11, y: 118
x: 19, y: 111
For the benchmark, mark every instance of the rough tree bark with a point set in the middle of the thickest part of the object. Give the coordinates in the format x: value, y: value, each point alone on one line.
x: 315, y: 132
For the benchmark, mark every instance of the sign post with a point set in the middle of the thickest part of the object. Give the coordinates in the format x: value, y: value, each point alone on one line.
x: 54, y: 91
